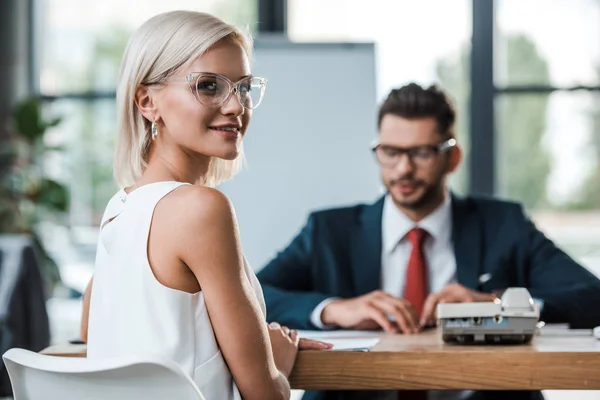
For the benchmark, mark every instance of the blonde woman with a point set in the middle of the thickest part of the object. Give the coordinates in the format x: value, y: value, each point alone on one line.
x: 170, y: 276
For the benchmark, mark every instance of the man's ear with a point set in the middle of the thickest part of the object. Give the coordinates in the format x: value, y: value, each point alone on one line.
x: 454, y: 158
x: 144, y: 101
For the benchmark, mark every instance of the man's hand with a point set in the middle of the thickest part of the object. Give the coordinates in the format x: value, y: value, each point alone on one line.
x: 372, y: 311
x: 452, y: 293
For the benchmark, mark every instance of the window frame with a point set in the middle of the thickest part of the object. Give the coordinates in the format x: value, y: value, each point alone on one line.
x: 482, y: 171
x: 483, y: 174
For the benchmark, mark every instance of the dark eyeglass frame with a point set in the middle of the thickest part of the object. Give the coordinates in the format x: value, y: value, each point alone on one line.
x: 412, y: 152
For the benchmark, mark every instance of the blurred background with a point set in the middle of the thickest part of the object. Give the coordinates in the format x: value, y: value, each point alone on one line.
x: 524, y: 75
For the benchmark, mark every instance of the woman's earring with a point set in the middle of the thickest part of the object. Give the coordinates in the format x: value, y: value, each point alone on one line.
x: 154, y: 130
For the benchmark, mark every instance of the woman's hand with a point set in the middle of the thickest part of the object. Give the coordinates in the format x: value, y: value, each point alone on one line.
x: 311, y: 344
x: 284, y: 342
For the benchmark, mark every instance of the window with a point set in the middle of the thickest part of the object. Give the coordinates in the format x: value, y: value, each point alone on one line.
x: 80, y: 43
x: 564, y: 36
x: 548, y: 118
x: 550, y: 149
x: 413, y: 44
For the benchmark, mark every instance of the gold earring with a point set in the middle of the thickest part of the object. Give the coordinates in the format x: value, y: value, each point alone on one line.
x: 154, y: 130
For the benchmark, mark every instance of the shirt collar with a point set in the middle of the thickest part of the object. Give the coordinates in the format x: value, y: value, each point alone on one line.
x: 396, y: 224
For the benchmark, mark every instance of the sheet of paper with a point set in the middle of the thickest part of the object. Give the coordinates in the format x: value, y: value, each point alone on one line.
x: 345, y: 340
x: 339, y: 334
x: 352, y: 344
x: 561, y: 330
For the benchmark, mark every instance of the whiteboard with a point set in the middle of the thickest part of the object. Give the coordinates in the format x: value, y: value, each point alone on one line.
x: 307, y: 147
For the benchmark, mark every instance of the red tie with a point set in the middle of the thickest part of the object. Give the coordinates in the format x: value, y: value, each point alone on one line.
x: 415, y: 288
x: 415, y: 291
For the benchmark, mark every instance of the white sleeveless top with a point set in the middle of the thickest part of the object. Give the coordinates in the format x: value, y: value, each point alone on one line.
x: 131, y: 313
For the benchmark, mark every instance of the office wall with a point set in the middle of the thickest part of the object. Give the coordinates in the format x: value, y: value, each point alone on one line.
x: 308, y: 144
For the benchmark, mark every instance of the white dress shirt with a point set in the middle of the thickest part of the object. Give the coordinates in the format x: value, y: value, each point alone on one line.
x: 396, y: 247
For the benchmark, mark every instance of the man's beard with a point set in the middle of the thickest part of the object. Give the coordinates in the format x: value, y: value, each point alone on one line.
x: 430, y: 195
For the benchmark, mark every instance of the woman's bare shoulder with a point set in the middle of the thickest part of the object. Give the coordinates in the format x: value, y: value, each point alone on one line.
x: 191, y: 208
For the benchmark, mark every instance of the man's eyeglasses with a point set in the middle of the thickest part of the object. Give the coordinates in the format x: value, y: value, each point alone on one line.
x: 214, y: 90
x: 421, y: 156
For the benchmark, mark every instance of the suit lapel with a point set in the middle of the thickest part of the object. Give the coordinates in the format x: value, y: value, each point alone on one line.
x: 365, y: 250
x: 467, y: 237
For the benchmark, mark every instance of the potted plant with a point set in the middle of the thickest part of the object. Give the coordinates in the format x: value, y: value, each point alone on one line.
x: 27, y: 195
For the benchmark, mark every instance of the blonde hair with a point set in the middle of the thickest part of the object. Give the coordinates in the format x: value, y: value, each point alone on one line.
x: 155, y: 51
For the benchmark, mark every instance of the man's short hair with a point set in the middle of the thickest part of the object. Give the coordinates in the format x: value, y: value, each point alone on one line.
x: 412, y: 102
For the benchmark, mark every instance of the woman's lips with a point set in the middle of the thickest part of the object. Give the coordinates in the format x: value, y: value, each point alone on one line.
x: 226, y: 132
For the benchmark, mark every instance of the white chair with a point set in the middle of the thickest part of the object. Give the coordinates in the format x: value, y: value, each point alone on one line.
x: 39, y: 377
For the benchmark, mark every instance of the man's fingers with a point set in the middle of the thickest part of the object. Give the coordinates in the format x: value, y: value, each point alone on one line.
x: 451, y: 294
x: 429, y: 308
x: 408, y: 313
x: 456, y: 293
x: 379, y: 316
x: 390, y: 308
x: 410, y: 317
x: 408, y: 308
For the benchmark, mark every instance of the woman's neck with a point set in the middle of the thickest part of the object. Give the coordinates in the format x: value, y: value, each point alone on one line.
x: 181, y: 167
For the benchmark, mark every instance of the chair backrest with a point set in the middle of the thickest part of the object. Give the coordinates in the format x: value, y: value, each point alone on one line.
x: 21, y: 283
x: 39, y: 377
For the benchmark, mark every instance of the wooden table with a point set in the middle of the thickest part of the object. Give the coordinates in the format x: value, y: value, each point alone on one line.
x: 424, y: 362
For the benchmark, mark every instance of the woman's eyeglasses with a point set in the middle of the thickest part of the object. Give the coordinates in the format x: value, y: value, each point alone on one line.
x: 214, y: 90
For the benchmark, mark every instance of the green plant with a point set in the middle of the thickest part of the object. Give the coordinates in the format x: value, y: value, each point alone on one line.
x: 27, y: 195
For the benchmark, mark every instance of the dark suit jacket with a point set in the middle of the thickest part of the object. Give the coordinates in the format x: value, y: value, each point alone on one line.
x: 338, y: 254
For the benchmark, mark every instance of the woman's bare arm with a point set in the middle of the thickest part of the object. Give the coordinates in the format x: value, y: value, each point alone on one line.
x: 206, y: 239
